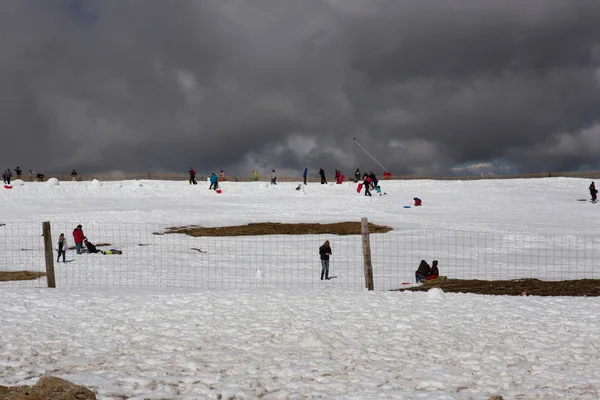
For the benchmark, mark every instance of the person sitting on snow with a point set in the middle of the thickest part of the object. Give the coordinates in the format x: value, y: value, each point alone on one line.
x: 435, y: 272
x: 91, y: 248
x: 418, y: 201
x: 422, y: 272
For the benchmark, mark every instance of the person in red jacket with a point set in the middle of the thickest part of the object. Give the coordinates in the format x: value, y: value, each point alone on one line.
x: 79, y: 237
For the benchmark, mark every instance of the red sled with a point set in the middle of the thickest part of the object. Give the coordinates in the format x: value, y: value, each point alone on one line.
x: 359, y: 188
x: 7, y: 187
x: 219, y: 191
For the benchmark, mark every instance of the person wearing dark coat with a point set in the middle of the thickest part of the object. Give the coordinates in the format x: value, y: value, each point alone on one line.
x: 325, y: 252
x: 322, y: 174
x: 594, y: 192
x: 367, y: 185
x: 374, y: 179
x: 305, y: 174
x: 422, y: 272
x: 192, y: 179
x: 91, y: 248
x: 357, y: 175
x: 435, y: 272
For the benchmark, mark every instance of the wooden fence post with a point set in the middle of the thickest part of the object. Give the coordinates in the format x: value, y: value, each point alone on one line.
x: 49, y: 254
x: 366, y: 247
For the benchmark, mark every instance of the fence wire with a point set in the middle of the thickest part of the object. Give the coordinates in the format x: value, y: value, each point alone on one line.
x: 153, y: 258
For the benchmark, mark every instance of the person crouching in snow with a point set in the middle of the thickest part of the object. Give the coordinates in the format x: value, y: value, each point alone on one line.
x: 422, y: 272
x: 418, y: 202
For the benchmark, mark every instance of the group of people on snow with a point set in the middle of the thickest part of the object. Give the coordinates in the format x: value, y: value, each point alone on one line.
x: 80, y: 241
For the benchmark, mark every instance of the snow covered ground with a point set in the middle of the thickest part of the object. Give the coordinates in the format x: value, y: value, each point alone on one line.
x: 319, y: 341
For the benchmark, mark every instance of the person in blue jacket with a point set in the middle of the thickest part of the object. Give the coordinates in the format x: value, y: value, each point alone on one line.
x: 305, y: 174
x: 214, y: 181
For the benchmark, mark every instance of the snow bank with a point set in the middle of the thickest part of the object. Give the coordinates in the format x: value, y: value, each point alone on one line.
x: 52, y: 182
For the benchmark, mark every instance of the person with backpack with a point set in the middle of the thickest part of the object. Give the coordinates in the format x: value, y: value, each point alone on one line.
x: 325, y: 252
x: 192, y: 179
x: 62, y: 248
x: 78, y: 237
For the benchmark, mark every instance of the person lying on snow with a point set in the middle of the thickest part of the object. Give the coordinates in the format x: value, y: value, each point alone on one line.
x: 422, y: 272
x: 91, y: 248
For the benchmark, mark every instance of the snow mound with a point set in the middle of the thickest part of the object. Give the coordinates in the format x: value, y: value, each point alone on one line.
x: 435, y: 294
x: 96, y: 183
x: 52, y: 182
x: 17, y: 182
x: 136, y: 183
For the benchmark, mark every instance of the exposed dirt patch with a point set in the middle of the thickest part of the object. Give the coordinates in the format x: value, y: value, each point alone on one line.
x: 19, y: 275
x: 275, y: 228
x: 533, y: 287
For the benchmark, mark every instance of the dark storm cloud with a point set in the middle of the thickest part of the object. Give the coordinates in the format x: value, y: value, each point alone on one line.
x: 240, y: 85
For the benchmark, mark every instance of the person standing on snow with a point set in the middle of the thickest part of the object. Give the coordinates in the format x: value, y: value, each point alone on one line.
x: 273, y: 178
x: 78, y: 237
x: 325, y: 252
x: 192, y: 176
x: 357, y: 175
x: 214, y: 181
x: 367, y: 185
x: 593, y: 192
x: 322, y: 174
x: 305, y: 174
x: 62, y: 247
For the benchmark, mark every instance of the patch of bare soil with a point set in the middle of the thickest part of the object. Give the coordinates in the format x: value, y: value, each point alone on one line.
x: 275, y: 228
x: 19, y: 275
x: 518, y: 287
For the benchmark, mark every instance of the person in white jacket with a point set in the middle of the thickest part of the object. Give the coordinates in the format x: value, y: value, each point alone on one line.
x: 62, y: 247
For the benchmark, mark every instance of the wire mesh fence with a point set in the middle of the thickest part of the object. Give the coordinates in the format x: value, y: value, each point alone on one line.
x: 153, y: 258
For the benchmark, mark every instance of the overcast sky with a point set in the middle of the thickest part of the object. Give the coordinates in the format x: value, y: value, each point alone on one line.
x: 155, y: 85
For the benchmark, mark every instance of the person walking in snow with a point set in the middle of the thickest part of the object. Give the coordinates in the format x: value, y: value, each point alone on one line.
x: 192, y: 173
x: 322, y: 174
x: 273, y: 178
x: 8, y: 176
x: 78, y: 237
x: 62, y: 248
x: 305, y: 174
x: 214, y: 181
x: 325, y: 252
x: 593, y: 192
x: 367, y: 185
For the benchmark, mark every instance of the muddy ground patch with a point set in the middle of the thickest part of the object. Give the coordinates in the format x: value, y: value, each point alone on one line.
x: 20, y: 275
x: 276, y: 228
x: 518, y: 287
